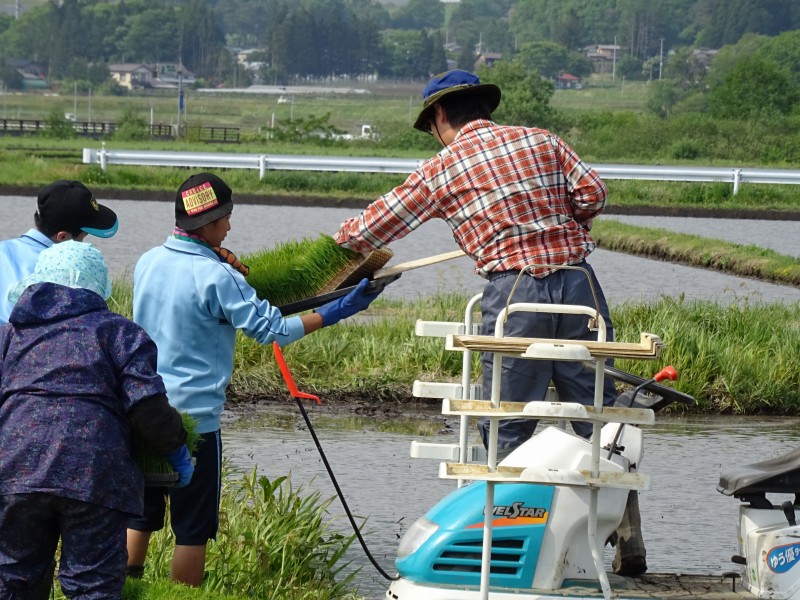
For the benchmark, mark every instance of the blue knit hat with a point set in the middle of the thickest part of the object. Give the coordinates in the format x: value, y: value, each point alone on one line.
x: 72, y: 264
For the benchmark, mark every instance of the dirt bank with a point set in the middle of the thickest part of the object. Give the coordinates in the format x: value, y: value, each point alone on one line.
x: 398, y: 405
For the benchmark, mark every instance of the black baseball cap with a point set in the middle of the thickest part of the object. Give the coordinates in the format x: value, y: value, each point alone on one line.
x: 70, y: 206
x: 202, y: 199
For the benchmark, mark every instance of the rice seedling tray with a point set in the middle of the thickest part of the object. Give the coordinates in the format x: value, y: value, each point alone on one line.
x: 376, y: 285
x: 302, y: 270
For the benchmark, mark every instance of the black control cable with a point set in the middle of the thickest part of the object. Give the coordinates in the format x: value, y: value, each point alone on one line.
x: 339, y: 493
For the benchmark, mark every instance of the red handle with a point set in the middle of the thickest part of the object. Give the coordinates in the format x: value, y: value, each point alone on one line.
x: 287, y: 376
x: 666, y: 373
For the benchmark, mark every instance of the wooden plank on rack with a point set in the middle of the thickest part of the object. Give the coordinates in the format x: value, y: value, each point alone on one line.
x: 567, y: 477
x: 416, y: 264
x: 547, y: 410
x: 649, y: 346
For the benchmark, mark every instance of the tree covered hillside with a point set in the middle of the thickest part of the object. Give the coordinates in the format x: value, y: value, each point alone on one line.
x: 75, y: 39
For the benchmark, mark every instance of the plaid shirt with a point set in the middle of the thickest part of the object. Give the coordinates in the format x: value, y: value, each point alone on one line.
x: 513, y: 196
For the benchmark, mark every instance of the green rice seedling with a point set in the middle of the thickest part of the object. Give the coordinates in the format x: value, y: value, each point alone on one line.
x: 298, y: 269
x: 735, y: 359
x: 155, y: 465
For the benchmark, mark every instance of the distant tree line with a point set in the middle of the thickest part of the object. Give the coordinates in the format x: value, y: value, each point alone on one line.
x: 77, y: 39
x: 756, y: 78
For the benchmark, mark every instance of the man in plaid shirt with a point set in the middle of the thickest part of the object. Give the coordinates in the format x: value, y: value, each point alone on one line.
x: 516, y: 198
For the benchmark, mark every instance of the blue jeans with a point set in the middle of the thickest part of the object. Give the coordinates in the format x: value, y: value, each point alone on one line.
x: 525, y: 380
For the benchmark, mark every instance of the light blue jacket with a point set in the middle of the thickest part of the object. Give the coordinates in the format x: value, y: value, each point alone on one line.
x: 191, y: 303
x: 17, y: 260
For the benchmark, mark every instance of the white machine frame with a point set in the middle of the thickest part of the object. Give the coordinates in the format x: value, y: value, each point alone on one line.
x: 461, y: 400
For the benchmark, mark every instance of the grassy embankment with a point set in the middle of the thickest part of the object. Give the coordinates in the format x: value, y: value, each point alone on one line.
x: 736, y: 359
x: 697, y: 251
x: 34, y: 162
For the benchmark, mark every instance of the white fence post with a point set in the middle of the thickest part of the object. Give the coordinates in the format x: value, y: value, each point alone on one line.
x: 262, y: 167
x: 737, y: 179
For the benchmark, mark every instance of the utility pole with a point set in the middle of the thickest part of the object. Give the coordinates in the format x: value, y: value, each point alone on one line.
x: 614, y: 61
x: 660, y: 59
x: 180, y: 99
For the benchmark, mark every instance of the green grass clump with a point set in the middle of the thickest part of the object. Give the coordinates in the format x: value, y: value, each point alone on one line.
x: 152, y: 463
x: 738, y: 358
x: 296, y: 270
x: 274, y: 542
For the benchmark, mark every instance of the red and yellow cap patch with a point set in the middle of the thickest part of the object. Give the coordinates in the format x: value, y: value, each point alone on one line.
x: 199, y: 199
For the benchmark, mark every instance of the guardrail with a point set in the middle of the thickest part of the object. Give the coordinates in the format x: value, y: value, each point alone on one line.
x: 265, y: 162
x: 262, y: 162
x: 732, y: 175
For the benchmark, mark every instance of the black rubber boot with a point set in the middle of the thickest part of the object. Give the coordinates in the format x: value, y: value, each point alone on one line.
x: 629, y: 559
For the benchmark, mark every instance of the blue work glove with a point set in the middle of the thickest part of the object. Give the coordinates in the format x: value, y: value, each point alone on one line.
x: 181, y: 461
x: 348, y: 305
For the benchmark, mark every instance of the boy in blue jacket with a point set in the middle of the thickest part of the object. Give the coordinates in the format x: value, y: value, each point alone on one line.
x: 65, y: 210
x: 191, y: 296
x: 75, y: 380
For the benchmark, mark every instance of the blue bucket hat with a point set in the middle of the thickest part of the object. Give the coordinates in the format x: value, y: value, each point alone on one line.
x: 71, y: 264
x: 451, y: 83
